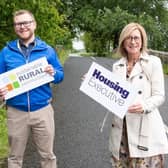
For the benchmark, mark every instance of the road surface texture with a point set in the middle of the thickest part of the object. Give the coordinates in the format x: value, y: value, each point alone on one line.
x: 79, y: 143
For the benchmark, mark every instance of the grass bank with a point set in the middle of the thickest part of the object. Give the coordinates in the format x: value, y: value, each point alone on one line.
x: 165, y: 69
x: 3, y: 134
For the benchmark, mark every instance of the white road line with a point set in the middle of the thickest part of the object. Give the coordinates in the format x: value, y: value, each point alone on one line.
x: 93, y: 58
x: 104, y: 120
x: 74, y: 55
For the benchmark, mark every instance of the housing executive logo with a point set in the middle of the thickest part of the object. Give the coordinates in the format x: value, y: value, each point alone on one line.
x: 108, y: 89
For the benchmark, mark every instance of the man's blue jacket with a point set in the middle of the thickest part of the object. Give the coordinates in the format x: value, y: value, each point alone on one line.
x: 11, y: 57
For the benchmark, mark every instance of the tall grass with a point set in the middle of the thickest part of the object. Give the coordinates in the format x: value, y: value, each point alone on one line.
x: 3, y: 134
x: 63, y: 55
x: 165, y: 69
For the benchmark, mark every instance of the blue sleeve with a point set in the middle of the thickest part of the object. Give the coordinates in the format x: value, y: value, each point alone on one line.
x: 55, y: 62
x: 2, y: 62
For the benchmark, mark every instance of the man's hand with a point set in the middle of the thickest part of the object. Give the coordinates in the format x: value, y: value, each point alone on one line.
x: 3, y: 92
x: 49, y: 69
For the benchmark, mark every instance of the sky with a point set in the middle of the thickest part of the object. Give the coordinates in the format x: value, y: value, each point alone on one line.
x: 77, y: 44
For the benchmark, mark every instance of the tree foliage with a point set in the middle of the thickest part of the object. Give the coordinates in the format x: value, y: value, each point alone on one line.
x: 50, y: 23
x: 104, y: 19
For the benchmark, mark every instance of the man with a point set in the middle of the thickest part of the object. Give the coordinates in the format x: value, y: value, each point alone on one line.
x: 30, y: 111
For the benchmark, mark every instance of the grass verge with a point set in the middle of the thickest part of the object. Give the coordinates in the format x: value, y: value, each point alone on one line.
x: 165, y: 69
x: 3, y: 134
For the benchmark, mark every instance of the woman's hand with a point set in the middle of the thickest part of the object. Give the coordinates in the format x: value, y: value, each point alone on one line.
x: 49, y: 69
x: 135, y: 108
x: 84, y: 76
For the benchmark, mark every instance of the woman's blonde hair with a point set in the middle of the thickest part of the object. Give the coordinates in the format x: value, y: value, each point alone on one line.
x: 126, y: 31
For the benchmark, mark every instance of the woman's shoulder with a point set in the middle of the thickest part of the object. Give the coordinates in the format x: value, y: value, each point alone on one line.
x: 150, y: 56
x: 120, y: 61
x: 151, y: 59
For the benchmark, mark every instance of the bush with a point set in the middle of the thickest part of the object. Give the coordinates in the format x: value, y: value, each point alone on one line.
x: 3, y: 134
x: 165, y: 69
x: 62, y: 54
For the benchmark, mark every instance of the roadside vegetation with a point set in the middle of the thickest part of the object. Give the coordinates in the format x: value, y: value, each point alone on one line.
x: 165, y: 69
x: 3, y: 136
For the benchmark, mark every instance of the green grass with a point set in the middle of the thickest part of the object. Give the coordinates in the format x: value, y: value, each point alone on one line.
x: 165, y: 69
x: 63, y: 55
x: 3, y: 134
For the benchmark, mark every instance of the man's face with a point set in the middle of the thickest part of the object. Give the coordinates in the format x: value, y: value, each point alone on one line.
x: 25, y: 26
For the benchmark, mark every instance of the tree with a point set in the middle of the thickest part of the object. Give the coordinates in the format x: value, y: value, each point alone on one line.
x: 51, y: 27
x: 104, y: 19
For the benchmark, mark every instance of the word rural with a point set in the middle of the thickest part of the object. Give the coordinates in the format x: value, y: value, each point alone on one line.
x: 108, y: 89
x: 25, y: 78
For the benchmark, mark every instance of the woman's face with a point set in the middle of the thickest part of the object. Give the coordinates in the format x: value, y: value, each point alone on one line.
x: 133, y: 43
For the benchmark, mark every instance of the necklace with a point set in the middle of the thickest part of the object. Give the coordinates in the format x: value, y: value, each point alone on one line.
x: 130, y: 66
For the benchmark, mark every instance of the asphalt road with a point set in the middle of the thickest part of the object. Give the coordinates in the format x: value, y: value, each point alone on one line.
x: 79, y: 142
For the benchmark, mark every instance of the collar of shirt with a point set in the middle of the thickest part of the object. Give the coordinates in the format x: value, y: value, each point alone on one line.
x: 26, y: 49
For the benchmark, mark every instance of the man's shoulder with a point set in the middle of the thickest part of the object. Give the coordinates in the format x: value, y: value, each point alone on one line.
x: 9, y: 45
x: 42, y: 44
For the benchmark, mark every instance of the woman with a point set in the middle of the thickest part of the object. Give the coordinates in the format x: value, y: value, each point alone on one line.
x: 139, y: 140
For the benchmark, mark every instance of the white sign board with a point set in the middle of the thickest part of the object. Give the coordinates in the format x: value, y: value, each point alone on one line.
x: 108, y: 89
x: 25, y: 78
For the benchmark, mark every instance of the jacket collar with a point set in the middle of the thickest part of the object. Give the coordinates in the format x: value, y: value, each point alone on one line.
x: 40, y: 45
x: 143, y: 60
x: 143, y: 57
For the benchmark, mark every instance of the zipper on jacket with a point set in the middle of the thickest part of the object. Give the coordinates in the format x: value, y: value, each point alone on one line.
x: 28, y: 101
x: 28, y: 96
x: 27, y: 61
